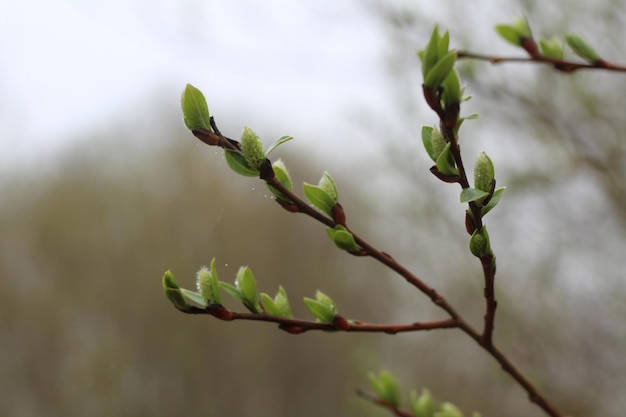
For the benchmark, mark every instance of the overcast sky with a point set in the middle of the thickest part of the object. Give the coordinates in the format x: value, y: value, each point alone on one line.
x: 70, y: 65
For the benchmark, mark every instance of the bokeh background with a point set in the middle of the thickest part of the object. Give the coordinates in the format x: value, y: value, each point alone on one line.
x: 102, y: 189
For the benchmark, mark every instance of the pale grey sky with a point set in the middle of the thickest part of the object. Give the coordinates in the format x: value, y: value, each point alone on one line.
x: 69, y: 65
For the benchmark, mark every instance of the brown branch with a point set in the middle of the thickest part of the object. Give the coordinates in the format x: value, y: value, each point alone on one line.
x: 489, y: 266
x: 448, y: 121
x: 400, y: 412
x: 558, y: 64
x: 297, y: 326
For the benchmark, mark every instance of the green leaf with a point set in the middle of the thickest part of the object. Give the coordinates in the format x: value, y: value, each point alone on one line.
x: 551, y: 48
x: 237, y: 162
x: 193, y: 296
x: 431, y: 55
x: 326, y: 300
x: 319, y: 311
x: 195, y: 110
x: 433, y: 140
x: 172, y: 291
x: 449, y: 410
x: 440, y: 70
x: 279, y: 306
x: 246, y: 284
x: 427, y: 133
x: 472, y: 194
x: 276, y: 144
x: 342, y: 238
x: 319, y: 198
x: 327, y: 183
x: 386, y: 387
x: 422, y: 406
x: 445, y: 162
x: 495, y: 199
x: 582, y: 48
x: 269, y: 306
x: 282, y: 176
x: 520, y: 24
x: 231, y: 290
x: 282, y: 302
x: 509, y: 34
x: 443, y: 44
x: 323, y: 307
x: 252, y: 148
x: 451, y: 88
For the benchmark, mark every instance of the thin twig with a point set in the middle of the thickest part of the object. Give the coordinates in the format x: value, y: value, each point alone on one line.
x: 400, y: 412
x: 558, y: 64
x: 297, y: 326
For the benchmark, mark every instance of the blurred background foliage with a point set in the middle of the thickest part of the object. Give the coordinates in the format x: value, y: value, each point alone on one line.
x: 86, y: 331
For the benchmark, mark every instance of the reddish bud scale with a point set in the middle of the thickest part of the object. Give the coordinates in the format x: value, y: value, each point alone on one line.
x: 339, y: 216
x: 266, y: 172
x: 206, y: 136
x: 469, y: 223
x: 292, y: 329
x: 220, y: 312
x: 290, y: 207
x: 341, y: 323
x: 530, y: 47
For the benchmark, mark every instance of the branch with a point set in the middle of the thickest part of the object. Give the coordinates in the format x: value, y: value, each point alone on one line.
x: 558, y: 64
x: 296, y: 204
x: 400, y: 412
x: 297, y: 326
x: 448, y: 121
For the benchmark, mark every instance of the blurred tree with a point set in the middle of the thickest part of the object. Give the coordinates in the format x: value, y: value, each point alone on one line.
x: 85, y: 329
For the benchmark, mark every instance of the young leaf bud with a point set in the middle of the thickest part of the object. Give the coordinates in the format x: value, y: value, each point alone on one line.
x: 449, y: 410
x: 282, y: 302
x: 451, y: 89
x: 238, y: 163
x: 282, y: 175
x: 252, y: 148
x: 472, y: 194
x: 495, y: 199
x: 582, y: 48
x: 246, y: 284
x: 173, y: 292
x: 326, y: 301
x: 343, y: 239
x: 484, y: 172
x: 479, y: 243
x: 445, y: 162
x: 386, y: 387
x: 438, y: 143
x: 551, y: 48
x: 520, y: 24
x: 195, y: 110
x: 422, y: 406
x: 319, y: 198
x: 323, y: 311
x: 208, y: 284
x: 516, y: 32
x: 327, y: 184
x: 279, y: 306
x: 431, y: 53
x: 427, y: 134
x: 276, y: 144
x: 440, y: 71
